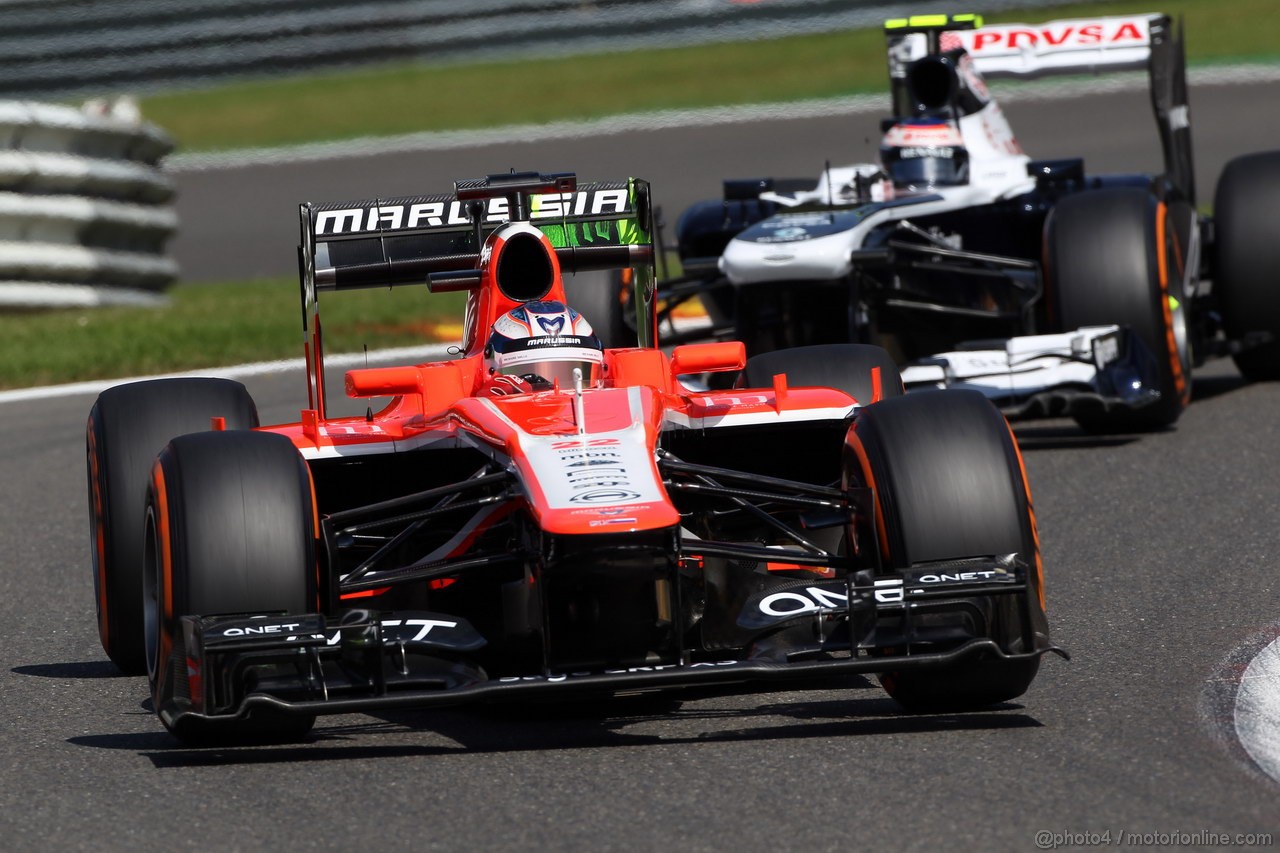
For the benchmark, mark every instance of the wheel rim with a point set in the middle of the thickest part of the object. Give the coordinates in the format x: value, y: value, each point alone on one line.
x: 1180, y: 337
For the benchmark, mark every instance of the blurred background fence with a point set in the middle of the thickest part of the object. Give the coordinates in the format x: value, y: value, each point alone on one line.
x: 66, y: 48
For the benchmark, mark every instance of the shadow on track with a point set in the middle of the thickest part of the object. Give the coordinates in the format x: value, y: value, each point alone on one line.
x: 1207, y: 387
x: 1064, y: 435
x: 79, y: 669
x: 594, y: 724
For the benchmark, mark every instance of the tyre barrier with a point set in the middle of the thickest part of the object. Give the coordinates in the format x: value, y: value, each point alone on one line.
x: 85, y: 211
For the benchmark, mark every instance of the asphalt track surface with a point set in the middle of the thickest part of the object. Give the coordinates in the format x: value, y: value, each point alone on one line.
x: 1161, y: 554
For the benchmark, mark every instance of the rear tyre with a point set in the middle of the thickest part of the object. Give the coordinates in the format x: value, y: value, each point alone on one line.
x: 128, y: 425
x: 846, y: 367
x: 231, y: 528
x: 1247, y: 278
x: 1104, y: 262
x: 791, y: 314
x: 604, y: 299
x: 949, y: 483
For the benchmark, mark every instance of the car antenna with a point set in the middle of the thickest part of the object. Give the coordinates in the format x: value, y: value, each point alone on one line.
x: 475, y: 212
x: 831, y: 193
x: 579, y: 413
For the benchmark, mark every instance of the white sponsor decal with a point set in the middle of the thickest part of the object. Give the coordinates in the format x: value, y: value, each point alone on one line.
x: 961, y: 576
x: 997, y: 40
x: 424, y: 627
x: 794, y: 603
x: 662, y: 667
x: 815, y: 598
x: 252, y: 630
x: 605, y: 469
x: 333, y: 636
x: 435, y: 214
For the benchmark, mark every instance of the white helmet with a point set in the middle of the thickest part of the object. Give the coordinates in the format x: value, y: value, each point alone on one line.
x: 920, y: 154
x: 542, y: 342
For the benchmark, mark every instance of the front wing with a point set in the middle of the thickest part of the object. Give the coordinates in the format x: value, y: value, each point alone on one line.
x: 369, y: 660
x: 1096, y: 368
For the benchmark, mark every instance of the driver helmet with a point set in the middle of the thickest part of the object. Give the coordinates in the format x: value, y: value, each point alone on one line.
x: 920, y: 154
x: 542, y: 343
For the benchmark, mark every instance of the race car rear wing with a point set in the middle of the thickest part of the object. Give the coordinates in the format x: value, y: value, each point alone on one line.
x: 436, y: 240
x: 1074, y: 46
x: 411, y: 240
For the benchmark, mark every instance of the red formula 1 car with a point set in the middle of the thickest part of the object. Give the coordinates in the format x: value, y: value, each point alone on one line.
x: 542, y: 516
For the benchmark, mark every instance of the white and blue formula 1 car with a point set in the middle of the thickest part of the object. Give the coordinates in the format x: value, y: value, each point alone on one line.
x: 1050, y: 290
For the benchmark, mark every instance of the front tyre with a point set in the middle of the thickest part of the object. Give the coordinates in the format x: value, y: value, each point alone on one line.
x: 949, y: 484
x: 1247, y: 274
x: 1113, y: 257
x: 128, y: 425
x: 230, y: 529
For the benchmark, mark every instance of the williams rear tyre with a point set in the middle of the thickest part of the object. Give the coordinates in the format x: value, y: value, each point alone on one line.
x: 792, y: 314
x: 1247, y: 266
x: 1112, y: 257
x: 847, y: 367
x: 230, y: 529
x: 950, y: 484
x: 604, y: 298
x: 128, y: 425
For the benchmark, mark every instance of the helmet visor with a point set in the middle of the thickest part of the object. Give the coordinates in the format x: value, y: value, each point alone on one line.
x: 927, y: 167
x: 553, y: 372
x: 553, y: 364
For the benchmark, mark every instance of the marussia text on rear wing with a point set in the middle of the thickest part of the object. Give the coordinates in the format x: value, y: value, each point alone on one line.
x: 380, y: 242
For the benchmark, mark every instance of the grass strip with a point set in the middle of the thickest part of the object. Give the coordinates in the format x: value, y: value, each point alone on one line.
x: 208, y: 325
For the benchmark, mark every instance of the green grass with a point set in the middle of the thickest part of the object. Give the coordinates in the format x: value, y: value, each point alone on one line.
x: 405, y: 98
x: 207, y: 325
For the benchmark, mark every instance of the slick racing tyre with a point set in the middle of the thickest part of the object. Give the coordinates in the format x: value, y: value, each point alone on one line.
x: 604, y: 298
x: 1247, y: 275
x: 230, y: 529
x: 845, y: 367
x: 949, y: 483
x: 1112, y: 258
x: 788, y: 314
x: 128, y: 425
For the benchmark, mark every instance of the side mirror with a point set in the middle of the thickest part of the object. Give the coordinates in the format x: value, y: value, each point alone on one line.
x: 708, y: 358
x: 383, y: 382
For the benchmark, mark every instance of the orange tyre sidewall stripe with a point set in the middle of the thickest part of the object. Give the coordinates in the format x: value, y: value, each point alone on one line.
x: 315, y: 539
x: 164, y: 648
x: 870, y: 480
x: 1031, y: 511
